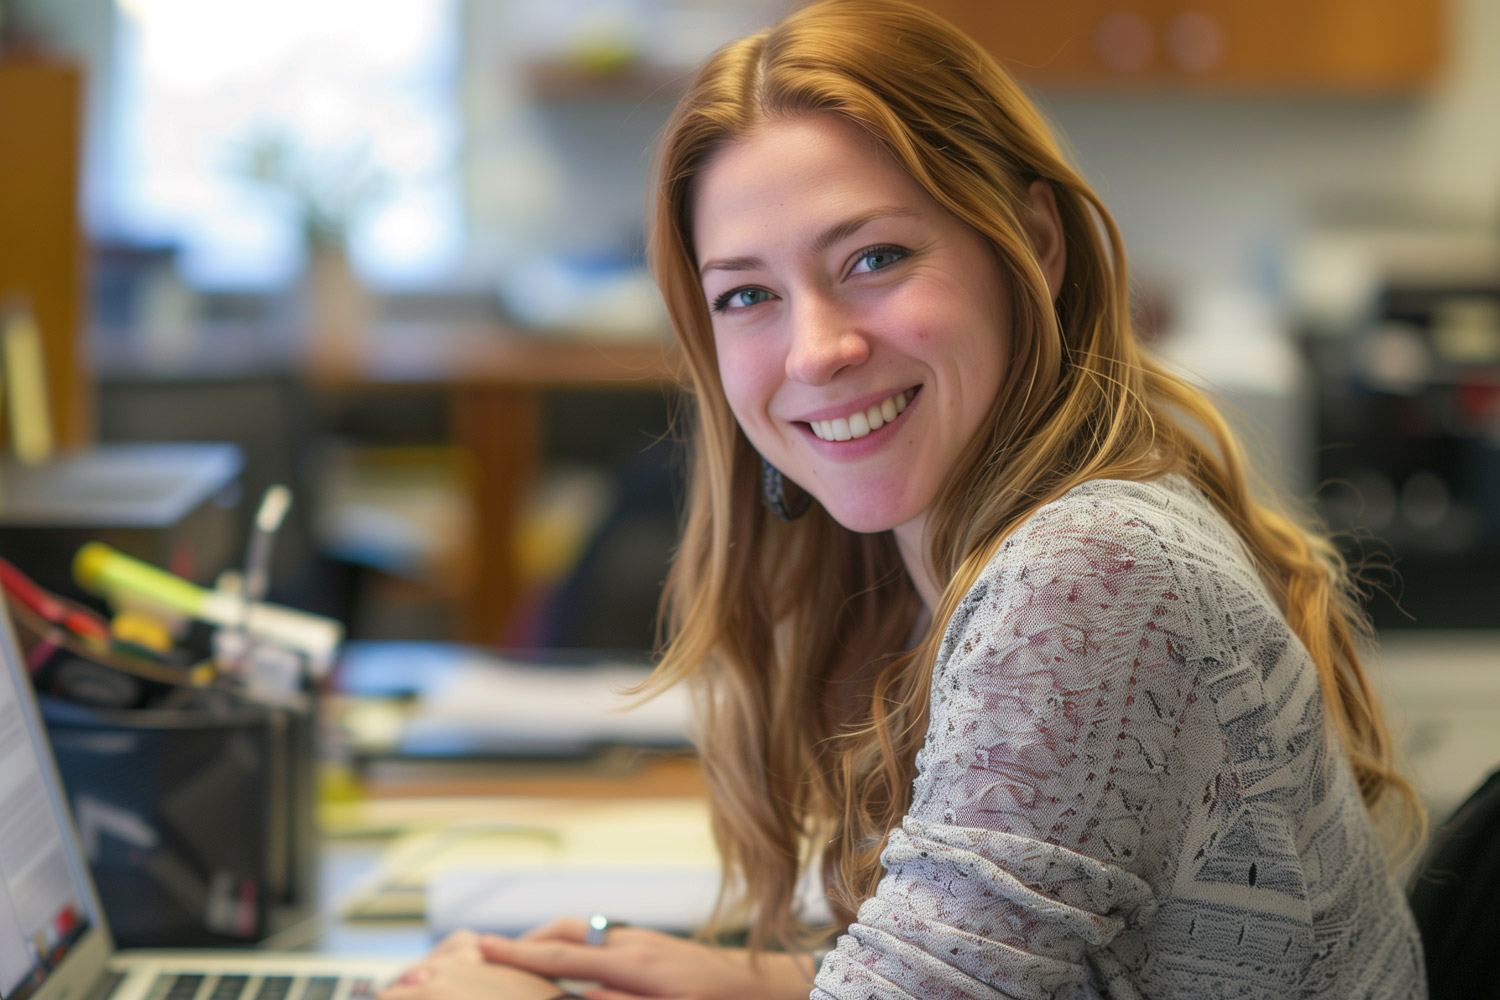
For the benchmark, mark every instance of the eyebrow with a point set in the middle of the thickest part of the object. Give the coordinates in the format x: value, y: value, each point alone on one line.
x: 817, y: 245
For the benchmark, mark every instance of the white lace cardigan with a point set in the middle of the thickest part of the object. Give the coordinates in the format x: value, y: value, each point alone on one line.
x: 1126, y: 788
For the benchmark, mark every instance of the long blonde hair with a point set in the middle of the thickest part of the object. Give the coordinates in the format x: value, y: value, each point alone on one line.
x: 794, y: 635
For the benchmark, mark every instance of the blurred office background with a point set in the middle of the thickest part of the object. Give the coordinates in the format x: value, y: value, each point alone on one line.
x: 393, y: 248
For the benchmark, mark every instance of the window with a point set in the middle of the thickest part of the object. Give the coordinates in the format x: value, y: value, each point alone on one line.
x: 350, y: 87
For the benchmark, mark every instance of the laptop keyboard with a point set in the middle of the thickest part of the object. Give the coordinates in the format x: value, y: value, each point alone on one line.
x: 227, y: 988
x: 106, y: 985
x: 177, y: 986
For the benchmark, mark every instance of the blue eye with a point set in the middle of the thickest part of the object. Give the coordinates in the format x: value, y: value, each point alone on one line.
x: 876, y: 258
x: 740, y: 298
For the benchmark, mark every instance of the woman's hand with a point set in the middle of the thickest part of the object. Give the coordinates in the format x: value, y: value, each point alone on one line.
x: 457, y: 970
x: 634, y: 962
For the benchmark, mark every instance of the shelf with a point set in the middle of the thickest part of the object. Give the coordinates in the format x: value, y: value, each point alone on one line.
x: 567, y: 80
x: 1353, y: 48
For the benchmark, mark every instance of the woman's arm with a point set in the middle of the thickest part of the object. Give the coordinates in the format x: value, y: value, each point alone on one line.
x: 1056, y: 704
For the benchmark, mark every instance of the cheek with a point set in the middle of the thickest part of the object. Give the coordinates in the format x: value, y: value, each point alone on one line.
x: 750, y: 375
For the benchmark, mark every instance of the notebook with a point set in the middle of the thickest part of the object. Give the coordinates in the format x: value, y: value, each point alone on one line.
x: 54, y: 941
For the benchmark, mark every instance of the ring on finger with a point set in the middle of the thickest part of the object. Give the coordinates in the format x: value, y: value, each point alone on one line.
x: 598, y: 926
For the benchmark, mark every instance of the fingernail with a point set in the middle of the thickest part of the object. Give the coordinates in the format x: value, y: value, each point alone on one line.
x: 412, y: 977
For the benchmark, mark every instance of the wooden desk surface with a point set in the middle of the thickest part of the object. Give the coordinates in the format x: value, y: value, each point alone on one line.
x: 406, y: 354
x: 631, y: 775
x: 491, y: 356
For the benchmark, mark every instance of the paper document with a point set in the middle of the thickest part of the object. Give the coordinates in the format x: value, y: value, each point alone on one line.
x: 537, y: 839
x: 516, y: 704
x: 445, y: 700
x: 514, y: 901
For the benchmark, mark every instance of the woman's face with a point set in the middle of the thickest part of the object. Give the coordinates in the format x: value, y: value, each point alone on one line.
x: 861, y: 330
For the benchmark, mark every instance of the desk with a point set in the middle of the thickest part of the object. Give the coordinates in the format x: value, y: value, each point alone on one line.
x: 613, y: 803
x: 1441, y: 695
x: 656, y: 833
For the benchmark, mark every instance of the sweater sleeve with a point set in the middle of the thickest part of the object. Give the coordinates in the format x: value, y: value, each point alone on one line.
x: 1056, y: 701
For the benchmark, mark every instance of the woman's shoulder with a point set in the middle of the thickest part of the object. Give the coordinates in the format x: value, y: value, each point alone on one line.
x: 1128, y: 552
x: 1162, y: 523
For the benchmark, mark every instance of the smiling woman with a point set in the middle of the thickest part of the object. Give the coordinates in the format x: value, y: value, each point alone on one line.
x: 1049, y: 705
x: 826, y: 311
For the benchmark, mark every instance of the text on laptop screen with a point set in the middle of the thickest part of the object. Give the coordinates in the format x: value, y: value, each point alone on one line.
x: 43, y: 905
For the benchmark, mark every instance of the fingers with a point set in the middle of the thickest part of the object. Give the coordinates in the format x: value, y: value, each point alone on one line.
x: 459, y: 945
x: 496, y: 948
x: 400, y: 990
x: 415, y: 976
x: 409, y: 985
x: 457, y: 941
x: 553, y: 959
x: 562, y: 929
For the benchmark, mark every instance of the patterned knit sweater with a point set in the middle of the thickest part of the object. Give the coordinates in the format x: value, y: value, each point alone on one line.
x: 1127, y: 788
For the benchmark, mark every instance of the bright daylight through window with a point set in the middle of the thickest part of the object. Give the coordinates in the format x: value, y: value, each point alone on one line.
x: 245, y: 130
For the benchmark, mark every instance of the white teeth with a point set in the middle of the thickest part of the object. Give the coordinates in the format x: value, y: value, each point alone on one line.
x: 859, y: 424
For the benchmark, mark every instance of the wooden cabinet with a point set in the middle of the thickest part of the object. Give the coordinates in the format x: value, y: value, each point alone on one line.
x: 1356, y: 47
x: 41, y: 234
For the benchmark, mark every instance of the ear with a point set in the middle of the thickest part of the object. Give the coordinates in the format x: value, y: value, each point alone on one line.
x: 1046, y: 232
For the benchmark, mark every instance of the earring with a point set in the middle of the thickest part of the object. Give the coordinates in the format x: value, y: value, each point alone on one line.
x: 773, y: 493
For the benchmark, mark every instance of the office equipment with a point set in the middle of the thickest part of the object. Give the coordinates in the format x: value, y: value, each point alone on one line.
x: 167, y: 504
x: 55, y: 941
x: 74, y: 619
x: 268, y: 519
x: 73, y: 652
x: 213, y: 777
x: 133, y: 584
x: 198, y: 819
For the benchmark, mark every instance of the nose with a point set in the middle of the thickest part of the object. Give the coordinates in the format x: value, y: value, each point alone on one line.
x: 825, y: 340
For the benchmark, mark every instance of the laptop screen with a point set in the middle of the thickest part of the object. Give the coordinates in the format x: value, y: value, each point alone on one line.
x: 46, y: 905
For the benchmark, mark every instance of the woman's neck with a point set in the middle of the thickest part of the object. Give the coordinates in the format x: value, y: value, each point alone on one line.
x: 911, y: 542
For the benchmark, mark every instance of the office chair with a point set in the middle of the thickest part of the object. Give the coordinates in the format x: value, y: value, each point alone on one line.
x: 609, y: 599
x: 1455, y: 897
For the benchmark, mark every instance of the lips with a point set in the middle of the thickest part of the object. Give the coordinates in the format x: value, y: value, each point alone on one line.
x: 859, y: 423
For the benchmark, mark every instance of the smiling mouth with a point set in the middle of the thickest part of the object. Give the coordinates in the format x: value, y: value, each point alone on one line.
x: 861, y: 422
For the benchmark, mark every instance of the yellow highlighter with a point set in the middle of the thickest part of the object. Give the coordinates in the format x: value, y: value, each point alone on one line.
x: 128, y: 583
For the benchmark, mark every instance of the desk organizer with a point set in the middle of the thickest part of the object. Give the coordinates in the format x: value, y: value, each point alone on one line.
x: 198, y: 821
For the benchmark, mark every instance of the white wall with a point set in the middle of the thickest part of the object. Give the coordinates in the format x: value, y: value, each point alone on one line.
x: 1204, y: 187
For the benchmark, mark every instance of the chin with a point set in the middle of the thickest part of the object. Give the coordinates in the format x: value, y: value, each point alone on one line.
x: 867, y: 518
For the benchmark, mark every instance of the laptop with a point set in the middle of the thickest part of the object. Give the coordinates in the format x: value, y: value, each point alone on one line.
x: 54, y: 941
